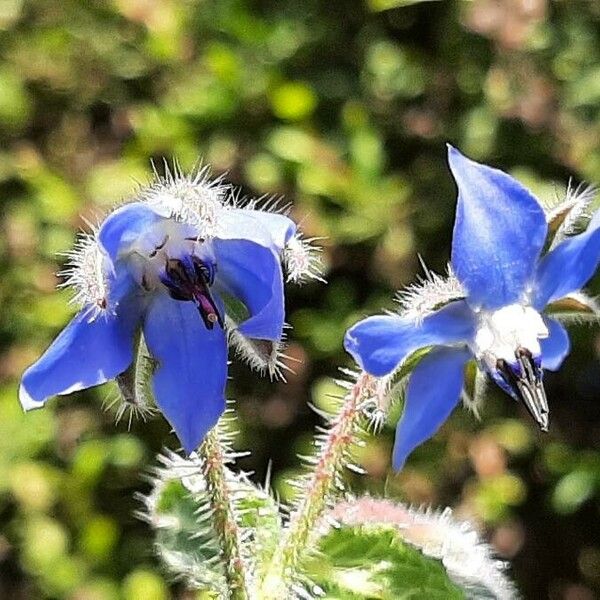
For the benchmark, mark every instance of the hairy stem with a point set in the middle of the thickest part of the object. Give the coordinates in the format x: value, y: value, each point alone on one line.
x: 224, y: 518
x: 319, y: 487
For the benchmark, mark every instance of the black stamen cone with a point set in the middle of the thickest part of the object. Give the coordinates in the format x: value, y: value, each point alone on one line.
x: 525, y: 380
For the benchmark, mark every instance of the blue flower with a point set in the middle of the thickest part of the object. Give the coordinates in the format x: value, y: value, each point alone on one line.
x: 490, y: 308
x: 166, y: 266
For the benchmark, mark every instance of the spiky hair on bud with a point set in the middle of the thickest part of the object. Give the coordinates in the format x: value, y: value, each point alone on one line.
x: 468, y: 560
x: 86, y: 275
x: 432, y: 291
x: 194, y: 198
x: 475, y: 389
x: 302, y: 259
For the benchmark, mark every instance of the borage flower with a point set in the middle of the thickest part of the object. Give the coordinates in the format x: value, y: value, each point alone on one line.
x: 166, y: 266
x: 489, y: 308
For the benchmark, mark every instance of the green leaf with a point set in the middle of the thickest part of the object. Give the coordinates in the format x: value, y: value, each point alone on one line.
x: 372, y: 562
x: 185, y: 538
x: 259, y: 512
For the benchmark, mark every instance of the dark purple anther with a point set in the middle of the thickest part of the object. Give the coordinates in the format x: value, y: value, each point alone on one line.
x: 189, y: 279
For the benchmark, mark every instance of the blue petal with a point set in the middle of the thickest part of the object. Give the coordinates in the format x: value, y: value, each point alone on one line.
x: 86, y: 353
x: 433, y: 391
x: 569, y: 266
x: 189, y: 380
x: 556, y: 346
x: 379, y: 344
x: 252, y: 273
x: 271, y: 230
x: 124, y: 226
x: 499, y: 231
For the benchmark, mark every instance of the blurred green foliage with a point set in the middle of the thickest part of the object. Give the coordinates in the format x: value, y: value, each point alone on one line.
x: 344, y: 107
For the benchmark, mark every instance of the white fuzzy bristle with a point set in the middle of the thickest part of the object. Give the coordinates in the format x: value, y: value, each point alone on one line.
x: 573, y: 209
x: 195, y: 198
x: 431, y: 292
x: 262, y: 356
x: 86, y: 274
x: 302, y: 260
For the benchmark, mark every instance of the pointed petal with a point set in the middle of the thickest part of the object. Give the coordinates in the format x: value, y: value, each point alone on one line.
x: 271, y: 230
x: 433, y: 391
x: 380, y: 344
x: 252, y: 273
x: 189, y: 380
x: 86, y: 353
x: 569, y: 266
x: 499, y: 231
x: 124, y: 226
x: 556, y: 346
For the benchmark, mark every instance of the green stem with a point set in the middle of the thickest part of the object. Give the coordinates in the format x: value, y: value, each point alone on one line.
x: 224, y: 518
x: 320, y: 487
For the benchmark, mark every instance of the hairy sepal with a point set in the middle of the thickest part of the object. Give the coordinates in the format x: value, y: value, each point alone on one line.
x: 302, y: 260
x: 474, y: 390
x: 575, y: 308
x: 135, y: 397
x: 430, y: 293
x: 266, y: 357
x: 567, y: 216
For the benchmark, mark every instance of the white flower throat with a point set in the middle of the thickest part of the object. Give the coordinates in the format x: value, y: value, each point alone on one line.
x: 507, y: 343
x: 501, y: 332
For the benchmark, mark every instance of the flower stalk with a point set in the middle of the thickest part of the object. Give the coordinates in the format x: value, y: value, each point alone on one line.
x: 224, y: 517
x: 321, y: 483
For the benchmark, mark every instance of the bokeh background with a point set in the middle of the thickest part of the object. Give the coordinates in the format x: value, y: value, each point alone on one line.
x: 344, y: 107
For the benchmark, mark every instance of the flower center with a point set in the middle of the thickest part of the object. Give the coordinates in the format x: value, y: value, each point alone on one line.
x: 189, y: 279
x: 507, y: 343
x: 173, y: 256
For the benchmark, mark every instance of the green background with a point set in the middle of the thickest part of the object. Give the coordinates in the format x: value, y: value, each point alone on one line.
x: 344, y: 107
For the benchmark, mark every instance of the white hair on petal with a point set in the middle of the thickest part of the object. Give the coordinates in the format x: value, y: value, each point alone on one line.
x: 430, y: 293
x: 86, y: 274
